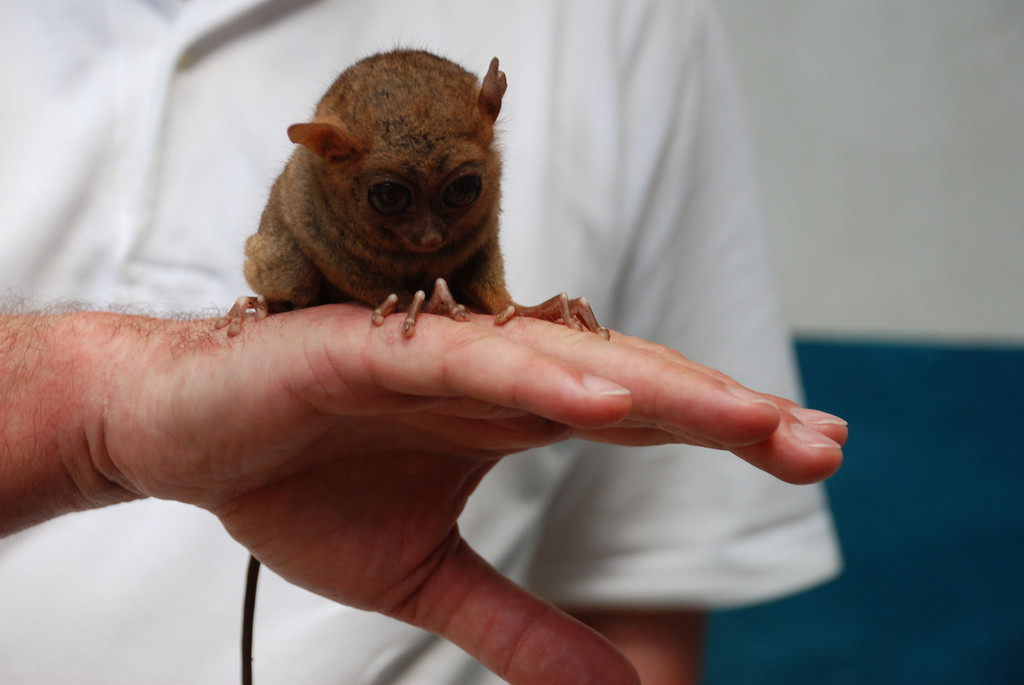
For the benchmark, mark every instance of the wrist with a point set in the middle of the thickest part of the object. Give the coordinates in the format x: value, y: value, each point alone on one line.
x: 54, y: 373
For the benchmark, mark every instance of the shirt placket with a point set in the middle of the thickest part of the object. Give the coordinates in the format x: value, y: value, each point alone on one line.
x: 148, y: 71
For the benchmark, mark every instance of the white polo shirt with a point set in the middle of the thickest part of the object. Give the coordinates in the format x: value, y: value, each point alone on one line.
x: 140, y: 140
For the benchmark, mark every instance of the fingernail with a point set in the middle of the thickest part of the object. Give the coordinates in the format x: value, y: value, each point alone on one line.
x: 603, y: 386
x: 813, y: 417
x: 811, y: 437
x: 749, y: 396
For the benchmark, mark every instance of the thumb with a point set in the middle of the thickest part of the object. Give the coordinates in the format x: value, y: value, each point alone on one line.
x: 523, y: 639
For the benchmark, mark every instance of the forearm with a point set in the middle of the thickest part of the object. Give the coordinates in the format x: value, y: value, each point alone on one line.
x: 51, y: 382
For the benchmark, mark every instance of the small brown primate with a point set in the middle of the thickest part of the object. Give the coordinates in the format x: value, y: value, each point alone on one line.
x: 394, y: 191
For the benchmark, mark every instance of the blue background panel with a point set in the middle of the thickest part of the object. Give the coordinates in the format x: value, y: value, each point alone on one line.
x: 929, y: 506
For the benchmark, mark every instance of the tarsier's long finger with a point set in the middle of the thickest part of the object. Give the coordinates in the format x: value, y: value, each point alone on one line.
x: 502, y: 317
x: 409, y: 325
x: 443, y: 302
x: 389, y: 305
x: 236, y: 315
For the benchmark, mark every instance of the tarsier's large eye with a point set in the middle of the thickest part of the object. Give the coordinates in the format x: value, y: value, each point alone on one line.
x: 462, y: 192
x: 389, y: 197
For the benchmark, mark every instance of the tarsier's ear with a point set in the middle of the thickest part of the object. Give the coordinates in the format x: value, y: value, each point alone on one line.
x: 491, y: 90
x: 329, y: 141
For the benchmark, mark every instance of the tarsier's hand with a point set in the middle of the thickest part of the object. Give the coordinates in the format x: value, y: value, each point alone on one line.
x: 341, y: 454
x: 440, y: 302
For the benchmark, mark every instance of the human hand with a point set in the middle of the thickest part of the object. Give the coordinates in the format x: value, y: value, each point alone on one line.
x: 342, y: 454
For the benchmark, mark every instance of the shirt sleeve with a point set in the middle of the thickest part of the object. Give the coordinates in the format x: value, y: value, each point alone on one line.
x: 677, y: 525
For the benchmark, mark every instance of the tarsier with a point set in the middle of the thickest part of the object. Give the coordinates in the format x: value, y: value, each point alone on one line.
x: 393, y: 192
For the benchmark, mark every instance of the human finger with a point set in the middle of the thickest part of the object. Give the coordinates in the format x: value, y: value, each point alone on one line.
x: 448, y: 359
x: 521, y: 638
x: 678, y: 400
x: 672, y: 395
x: 797, y: 453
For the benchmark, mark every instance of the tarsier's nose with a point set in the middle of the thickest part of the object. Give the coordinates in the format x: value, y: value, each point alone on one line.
x: 425, y: 237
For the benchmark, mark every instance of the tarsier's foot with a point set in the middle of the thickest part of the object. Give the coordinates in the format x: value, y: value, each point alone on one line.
x: 440, y: 302
x: 236, y: 315
x: 575, y: 313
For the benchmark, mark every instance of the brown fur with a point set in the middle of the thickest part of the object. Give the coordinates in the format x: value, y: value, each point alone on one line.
x: 402, y: 116
x: 397, y: 120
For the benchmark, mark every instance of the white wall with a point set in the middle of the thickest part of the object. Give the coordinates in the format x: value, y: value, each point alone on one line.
x: 889, y: 136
